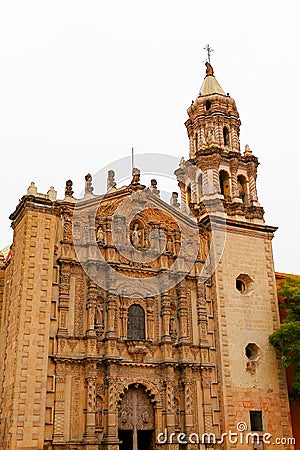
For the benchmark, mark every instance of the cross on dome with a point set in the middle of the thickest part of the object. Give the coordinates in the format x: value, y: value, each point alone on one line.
x: 209, y: 51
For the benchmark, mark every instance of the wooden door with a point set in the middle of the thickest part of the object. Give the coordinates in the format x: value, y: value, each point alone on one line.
x: 136, y: 414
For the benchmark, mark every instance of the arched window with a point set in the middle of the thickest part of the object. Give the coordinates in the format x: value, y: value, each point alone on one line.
x: 196, y: 141
x: 224, y: 184
x: 200, y: 186
x: 207, y: 105
x: 226, y: 136
x: 136, y: 323
x: 242, y: 187
x: 188, y: 195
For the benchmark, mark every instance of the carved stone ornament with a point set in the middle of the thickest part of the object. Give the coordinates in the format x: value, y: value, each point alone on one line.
x: 135, y: 176
x: 137, y: 349
x: 136, y: 410
x: 111, y: 183
x: 88, y: 184
x: 68, y: 190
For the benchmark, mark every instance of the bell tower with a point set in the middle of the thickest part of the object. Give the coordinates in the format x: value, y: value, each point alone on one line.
x: 218, y: 186
x: 213, y: 129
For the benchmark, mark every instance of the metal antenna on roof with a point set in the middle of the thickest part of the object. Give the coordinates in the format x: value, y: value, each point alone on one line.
x: 132, y: 158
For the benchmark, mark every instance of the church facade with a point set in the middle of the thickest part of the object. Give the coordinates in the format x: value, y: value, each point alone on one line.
x: 129, y: 323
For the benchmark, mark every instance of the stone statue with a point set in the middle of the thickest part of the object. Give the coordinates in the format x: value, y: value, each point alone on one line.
x: 172, y: 328
x: 136, y: 236
x: 88, y: 184
x: 98, y: 416
x: 209, y: 69
x: 169, y: 245
x: 100, y: 235
x: 111, y: 180
x: 210, y: 135
x: 174, y: 200
x: 98, y: 316
x: 182, y: 163
x: 68, y: 190
x: 135, y: 176
x: 153, y: 187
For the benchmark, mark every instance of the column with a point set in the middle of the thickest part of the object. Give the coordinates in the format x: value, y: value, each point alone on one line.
x: 181, y: 185
x: 189, y: 399
x: 202, y: 313
x: 216, y: 181
x: 111, y: 315
x: 166, y: 314
x: 110, y: 438
x: 59, y: 406
x: 194, y: 189
x: 91, y: 307
x: 123, y: 318
x: 252, y: 173
x: 182, y: 312
x: 169, y: 399
x: 63, y: 304
x: 207, y: 404
x: 205, y: 181
x: 90, y: 425
x: 150, y: 322
x: 235, y: 139
x: 234, y: 186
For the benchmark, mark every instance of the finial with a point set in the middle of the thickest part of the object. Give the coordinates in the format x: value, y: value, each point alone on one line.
x: 68, y: 189
x: 153, y: 187
x: 111, y: 179
x: 247, y: 150
x: 52, y: 194
x: 135, y: 176
x: 88, y: 184
x: 32, y: 190
x: 209, y: 51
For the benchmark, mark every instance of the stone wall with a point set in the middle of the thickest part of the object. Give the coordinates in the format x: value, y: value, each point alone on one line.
x: 252, y: 377
x: 27, y: 337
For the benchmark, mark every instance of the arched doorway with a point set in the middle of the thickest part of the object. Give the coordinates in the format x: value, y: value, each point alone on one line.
x: 136, y: 420
x: 242, y: 187
x: 225, y: 185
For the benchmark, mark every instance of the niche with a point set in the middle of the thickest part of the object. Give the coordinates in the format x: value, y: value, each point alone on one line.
x: 226, y: 136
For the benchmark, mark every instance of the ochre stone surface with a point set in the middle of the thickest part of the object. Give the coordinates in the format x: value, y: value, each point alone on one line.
x: 69, y: 376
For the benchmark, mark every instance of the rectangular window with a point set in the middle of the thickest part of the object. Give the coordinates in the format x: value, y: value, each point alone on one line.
x: 50, y: 383
x: 53, y: 312
x: 55, y: 274
x: 49, y: 415
x: 51, y: 346
x: 256, y: 421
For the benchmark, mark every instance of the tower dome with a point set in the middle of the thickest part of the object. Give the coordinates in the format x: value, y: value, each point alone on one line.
x: 213, y: 118
x: 220, y: 171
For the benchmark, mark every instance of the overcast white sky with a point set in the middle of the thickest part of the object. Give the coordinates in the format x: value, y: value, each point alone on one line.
x: 81, y: 82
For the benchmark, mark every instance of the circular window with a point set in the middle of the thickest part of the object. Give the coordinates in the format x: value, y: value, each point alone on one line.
x: 244, y: 284
x: 240, y: 285
x: 252, y: 351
